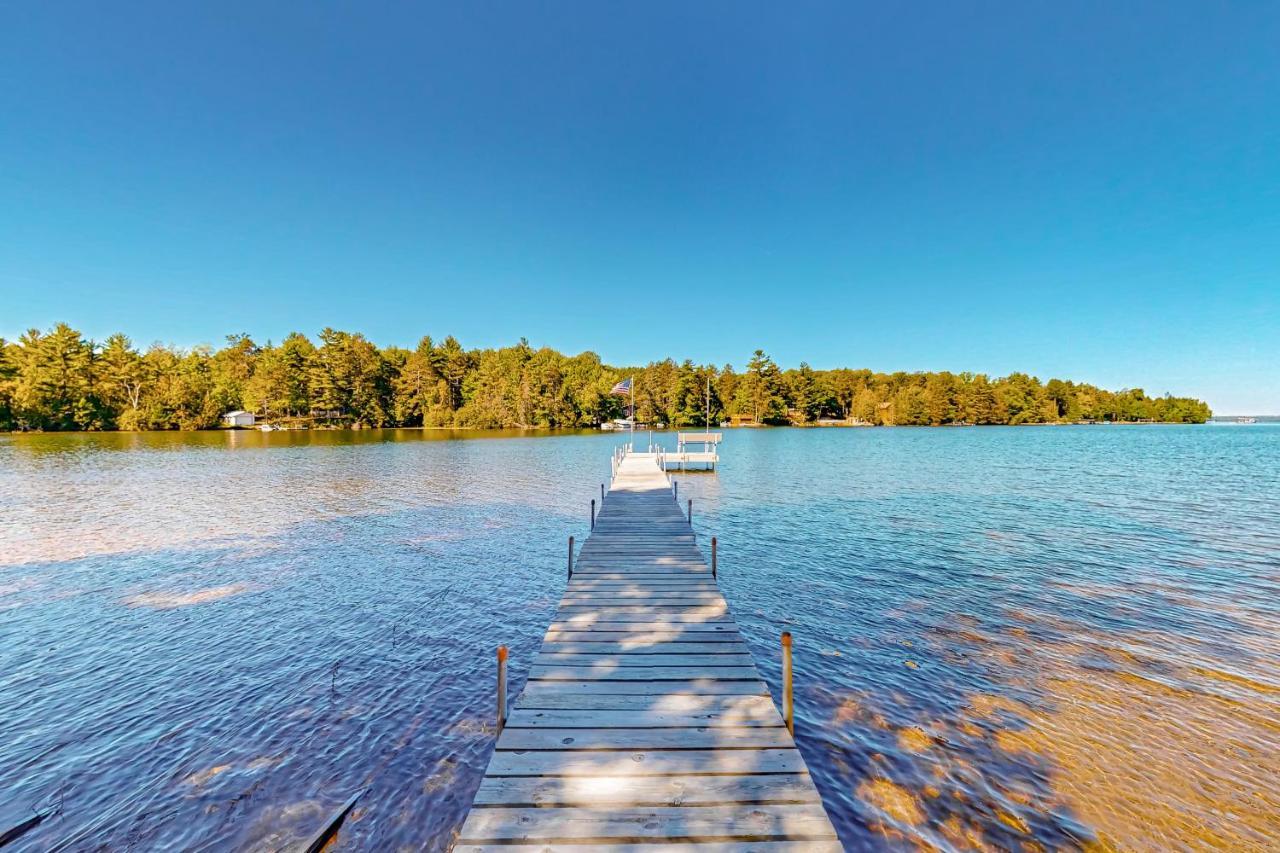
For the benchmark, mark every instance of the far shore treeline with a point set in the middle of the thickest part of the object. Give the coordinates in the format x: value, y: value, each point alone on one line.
x: 60, y: 381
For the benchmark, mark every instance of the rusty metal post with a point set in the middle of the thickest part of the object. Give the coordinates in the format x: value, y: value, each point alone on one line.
x: 570, y: 558
x: 502, y: 687
x: 788, y: 704
x: 713, y: 557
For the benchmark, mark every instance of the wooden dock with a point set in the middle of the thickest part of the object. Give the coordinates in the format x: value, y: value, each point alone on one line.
x: 644, y: 725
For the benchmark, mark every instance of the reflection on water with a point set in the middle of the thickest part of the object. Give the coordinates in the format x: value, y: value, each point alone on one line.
x: 1006, y: 638
x: 165, y: 600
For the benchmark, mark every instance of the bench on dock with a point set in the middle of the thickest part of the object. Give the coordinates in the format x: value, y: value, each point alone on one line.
x: 704, y: 438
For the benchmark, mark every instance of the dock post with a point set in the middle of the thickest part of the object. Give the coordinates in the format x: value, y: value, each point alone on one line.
x: 675, y: 489
x: 713, y: 557
x: 502, y: 687
x: 593, y: 513
x: 570, y: 558
x: 691, y: 511
x: 602, y: 495
x: 788, y: 704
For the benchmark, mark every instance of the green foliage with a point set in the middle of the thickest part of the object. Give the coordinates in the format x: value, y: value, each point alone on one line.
x: 9, y: 354
x: 348, y: 375
x: 759, y: 392
x: 121, y: 381
x: 60, y: 381
x: 53, y: 385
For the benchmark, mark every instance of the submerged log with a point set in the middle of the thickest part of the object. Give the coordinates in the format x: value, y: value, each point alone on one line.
x: 335, y: 823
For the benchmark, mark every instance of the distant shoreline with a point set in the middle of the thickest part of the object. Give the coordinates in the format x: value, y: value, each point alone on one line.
x: 60, y: 381
x: 580, y: 430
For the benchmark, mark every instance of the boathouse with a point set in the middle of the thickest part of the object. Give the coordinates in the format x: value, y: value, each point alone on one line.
x: 238, y: 419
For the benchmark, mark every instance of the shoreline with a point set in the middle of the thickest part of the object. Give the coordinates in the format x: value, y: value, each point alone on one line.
x: 588, y: 429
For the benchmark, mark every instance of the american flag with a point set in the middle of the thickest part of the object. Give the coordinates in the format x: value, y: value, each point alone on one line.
x: 623, y: 388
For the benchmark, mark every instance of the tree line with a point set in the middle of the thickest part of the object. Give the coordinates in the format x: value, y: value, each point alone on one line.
x: 59, y: 380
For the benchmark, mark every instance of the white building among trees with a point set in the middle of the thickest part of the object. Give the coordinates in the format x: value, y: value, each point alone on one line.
x: 238, y: 419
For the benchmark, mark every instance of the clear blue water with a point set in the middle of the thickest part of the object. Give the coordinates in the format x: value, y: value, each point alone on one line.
x: 1005, y: 636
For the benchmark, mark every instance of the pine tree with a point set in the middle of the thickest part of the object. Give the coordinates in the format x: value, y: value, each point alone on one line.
x: 121, y: 380
x: 55, y: 381
x: 8, y: 379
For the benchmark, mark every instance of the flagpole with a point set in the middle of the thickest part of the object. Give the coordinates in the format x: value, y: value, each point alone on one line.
x: 633, y: 413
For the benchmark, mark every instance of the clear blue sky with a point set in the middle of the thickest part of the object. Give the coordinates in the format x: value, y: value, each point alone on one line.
x: 1084, y: 190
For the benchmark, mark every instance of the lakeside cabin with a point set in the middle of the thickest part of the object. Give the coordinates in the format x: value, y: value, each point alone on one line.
x: 238, y: 419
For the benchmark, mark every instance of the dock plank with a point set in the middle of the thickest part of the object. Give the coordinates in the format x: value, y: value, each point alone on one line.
x: 738, y: 657
x: 646, y: 790
x: 651, y: 762
x: 608, y: 672
x: 762, y: 714
x: 832, y: 846
x: 791, y: 822
x: 699, y: 686
x: 700, y: 704
x: 602, y: 738
x: 644, y: 642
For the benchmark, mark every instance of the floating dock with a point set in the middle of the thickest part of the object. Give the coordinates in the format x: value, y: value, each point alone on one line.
x: 644, y: 725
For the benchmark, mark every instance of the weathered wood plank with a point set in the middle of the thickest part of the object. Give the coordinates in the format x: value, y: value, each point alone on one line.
x: 584, y: 616
x: 641, y: 648
x: 674, y: 599
x: 642, y: 587
x: 661, y: 584
x: 758, y: 714
x: 737, y: 657
x: 662, y: 625
x: 669, y: 569
x: 612, y: 672
x: 704, y: 580
x: 695, y: 609
x: 646, y: 790
x: 634, y: 553
x: 641, y: 635
x: 831, y: 846
x: 645, y: 762
x: 643, y: 594
x: 791, y: 822
x: 639, y: 573
x: 697, y: 686
x: 706, y: 737
x: 701, y: 705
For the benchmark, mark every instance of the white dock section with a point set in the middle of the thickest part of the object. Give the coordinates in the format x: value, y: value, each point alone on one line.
x: 644, y: 725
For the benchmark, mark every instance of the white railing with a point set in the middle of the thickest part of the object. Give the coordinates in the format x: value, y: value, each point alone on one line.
x: 619, y: 454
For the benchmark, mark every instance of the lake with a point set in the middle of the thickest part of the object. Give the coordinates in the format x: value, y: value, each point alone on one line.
x: 1004, y: 636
